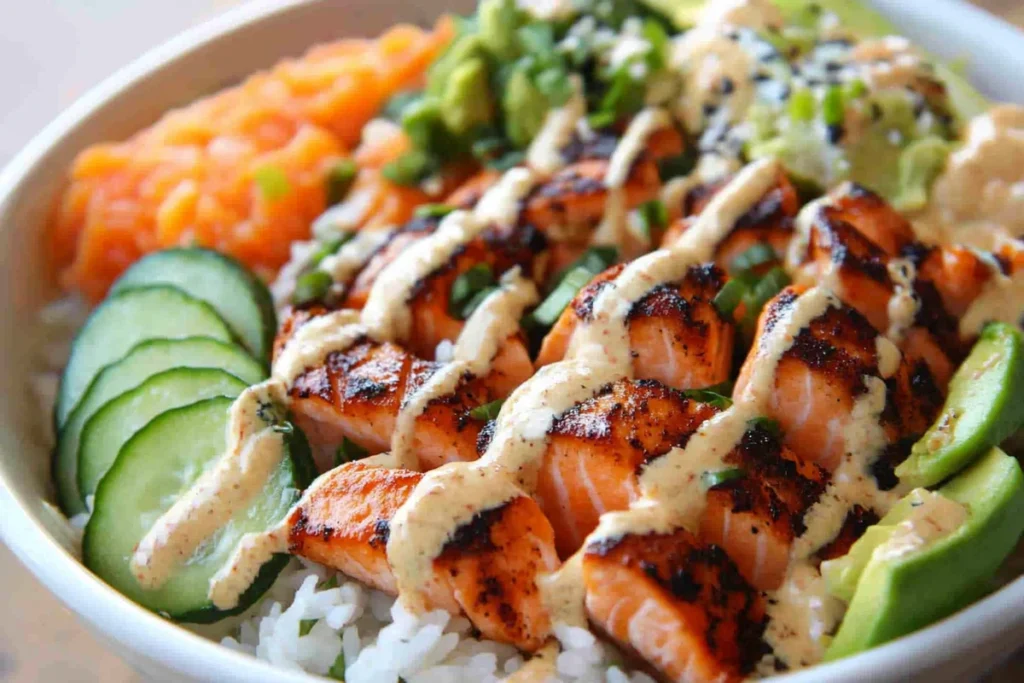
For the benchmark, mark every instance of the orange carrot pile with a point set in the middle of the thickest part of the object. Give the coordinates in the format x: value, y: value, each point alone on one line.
x: 242, y: 171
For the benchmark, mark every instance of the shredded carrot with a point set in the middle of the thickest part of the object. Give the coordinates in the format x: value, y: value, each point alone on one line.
x: 242, y: 171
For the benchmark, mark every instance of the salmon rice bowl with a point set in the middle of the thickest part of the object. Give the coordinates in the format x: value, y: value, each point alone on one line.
x: 577, y: 340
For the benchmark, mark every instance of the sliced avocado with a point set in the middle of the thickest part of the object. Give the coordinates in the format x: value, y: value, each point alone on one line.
x: 499, y: 20
x: 682, y: 13
x: 468, y: 46
x: 982, y: 409
x: 899, y: 592
x: 965, y: 99
x: 857, y: 17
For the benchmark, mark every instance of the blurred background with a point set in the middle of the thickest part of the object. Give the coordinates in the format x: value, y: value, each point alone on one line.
x: 52, y: 51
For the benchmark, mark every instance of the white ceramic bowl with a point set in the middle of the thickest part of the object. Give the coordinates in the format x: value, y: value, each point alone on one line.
x: 221, y: 52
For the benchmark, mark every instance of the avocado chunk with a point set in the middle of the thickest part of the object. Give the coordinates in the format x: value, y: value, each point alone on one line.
x: 920, y: 164
x: 856, y: 17
x: 933, y: 554
x: 525, y: 107
x: 467, y: 101
x: 981, y: 410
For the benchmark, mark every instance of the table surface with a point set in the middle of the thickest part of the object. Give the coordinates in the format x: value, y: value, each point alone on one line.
x: 40, y: 640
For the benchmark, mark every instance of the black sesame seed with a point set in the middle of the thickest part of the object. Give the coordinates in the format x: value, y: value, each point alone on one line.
x: 834, y: 133
x: 727, y: 85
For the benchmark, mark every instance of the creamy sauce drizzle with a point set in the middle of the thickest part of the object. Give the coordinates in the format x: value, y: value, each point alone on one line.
x: 904, y: 303
x: 1001, y: 300
x: 545, y: 152
x: 932, y: 516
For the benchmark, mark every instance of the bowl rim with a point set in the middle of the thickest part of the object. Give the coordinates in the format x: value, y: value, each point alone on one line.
x: 178, y: 648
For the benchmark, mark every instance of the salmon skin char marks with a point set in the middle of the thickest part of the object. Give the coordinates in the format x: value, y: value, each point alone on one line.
x: 768, y: 221
x: 597, y: 452
x: 676, y: 334
x: 357, y: 395
x: 487, y: 571
x: 821, y: 375
x: 857, y: 236
x: 432, y: 322
x: 678, y: 603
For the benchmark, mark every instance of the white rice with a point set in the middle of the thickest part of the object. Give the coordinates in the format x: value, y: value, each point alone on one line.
x: 367, y: 637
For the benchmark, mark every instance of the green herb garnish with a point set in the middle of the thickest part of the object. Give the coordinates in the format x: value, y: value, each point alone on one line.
x: 754, y: 256
x: 349, y: 451
x: 306, y: 625
x: 337, y: 670
x: 487, y: 411
x: 832, y: 106
x: 547, y: 313
x: 766, y: 423
x: 653, y: 216
x: 329, y: 248
x: 801, y: 105
x: 311, y: 286
x: 340, y: 180
x: 467, y: 287
x: 729, y: 297
x: 433, y: 210
x: 709, y: 396
x: 717, y: 477
x: 273, y: 182
x: 410, y: 168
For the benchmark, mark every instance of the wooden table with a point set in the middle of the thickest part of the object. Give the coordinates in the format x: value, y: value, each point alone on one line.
x: 55, y: 43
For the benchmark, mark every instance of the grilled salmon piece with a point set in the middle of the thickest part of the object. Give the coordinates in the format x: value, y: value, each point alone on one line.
x: 860, y: 271
x: 432, y: 321
x: 769, y: 221
x: 756, y: 516
x: 488, y: 570
x: 357, y: 395
x: 676, y: 334
x: 597, y: 449
x: 678, y: 603
x: 821, y: 375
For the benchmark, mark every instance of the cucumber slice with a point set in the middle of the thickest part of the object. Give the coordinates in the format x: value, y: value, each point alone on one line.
x: 142, y: 362
x: 240, y: 297
x: 152, y: 470
x: 124, y: 320
x: 113, y: 424
x: 981, y: 410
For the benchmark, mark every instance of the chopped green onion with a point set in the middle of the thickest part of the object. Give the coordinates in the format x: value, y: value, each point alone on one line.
x: 433, y: 210
x: 724, y: 388
x: 489, y: 147
x: 832, y: 106
x: 766, y: 423
x: 595, y: 259
x: 349, y: 451
x: 423, y: 123
x: 773, y: 282
x: 551, y: 308
x: 801, y: 105
x: 657, y: 36
x: 330, y: 583
x: 473, y: 303
x: 729, y: 297
x: 653, y: 216
x: 273, y: 182
x: 487, y: 411
x: 398, y: 103
x: 555, y: 84
x: 717, y: 477
x: 680, y: 165
x: 754, y: 256
x: 410, y: 168
x: 624, y: 96
x: 854, y: 89
x: 311, y: 286
x: 283, y: 428
x: 340, y: 179
x: 468, y: 285
x: 306, y: 625
x: 507, y: 161
x: 602, y: 119
x: 329, y: 248
x: 337, y: 670
x: 709, y: 396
